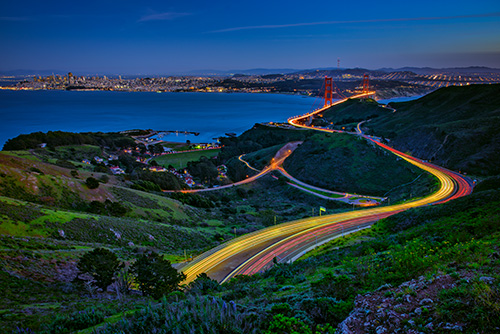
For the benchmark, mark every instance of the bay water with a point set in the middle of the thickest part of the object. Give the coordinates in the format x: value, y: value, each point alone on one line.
x: 210, y: 114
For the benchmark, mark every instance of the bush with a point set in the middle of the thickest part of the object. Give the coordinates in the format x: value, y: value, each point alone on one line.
x: 287, y: 325
x: 104, y: 179
x: 156, y: 276
x: 475, y: 303
x: 341, y: 287
x: 146, y: 186
x: 203, y: 285
x: 108, y: 208
x: 92, y: 183
x: 193, y: 200
x: 101, y: 264
x: 74, y: 321
x: 193, y: 315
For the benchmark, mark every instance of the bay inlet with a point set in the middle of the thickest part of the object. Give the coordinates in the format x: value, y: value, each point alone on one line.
x: 210, y: 114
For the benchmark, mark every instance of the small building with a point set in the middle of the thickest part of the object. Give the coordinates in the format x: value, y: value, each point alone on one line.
x: 189, y: 181
x: 116, y: 170
x: 157, y: 169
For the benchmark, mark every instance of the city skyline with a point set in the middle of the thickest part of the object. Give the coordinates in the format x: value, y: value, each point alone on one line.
x: 174, y: 38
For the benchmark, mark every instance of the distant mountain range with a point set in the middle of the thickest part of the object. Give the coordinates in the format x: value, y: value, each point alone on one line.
x: 416, y: 70
x: 266, y: 71
x: 430, y: 70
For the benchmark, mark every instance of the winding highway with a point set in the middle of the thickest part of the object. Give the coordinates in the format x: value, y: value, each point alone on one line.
x: 278, y: 159
x: 255, y: 251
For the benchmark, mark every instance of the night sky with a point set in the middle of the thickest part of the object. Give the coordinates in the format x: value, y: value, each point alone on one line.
x: 172, y: 37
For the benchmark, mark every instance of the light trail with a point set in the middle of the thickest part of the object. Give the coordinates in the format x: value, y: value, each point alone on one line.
x: 278, y: 159
x: 329, y: 226
x: 255, y: 251
x: 240, y: 158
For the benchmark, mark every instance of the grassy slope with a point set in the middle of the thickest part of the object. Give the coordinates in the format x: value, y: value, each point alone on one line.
x: 463, y: 234
x: 354, y: 111
x: 23, y: 219
x: 238, y: 170
x: 259, y: 137
x: 262, y: 158
x: 346, y: 163
x: 455, y: 126
x: 43, y: 232
x: 180, y: 160
x: 457, y: 241
x: 55, y: 186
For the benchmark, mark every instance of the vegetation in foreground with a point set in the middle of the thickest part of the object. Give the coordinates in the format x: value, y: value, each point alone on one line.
x: 433, y: 269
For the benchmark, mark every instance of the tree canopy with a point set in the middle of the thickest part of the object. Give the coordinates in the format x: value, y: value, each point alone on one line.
x: 102, y: 264
x: 155, y: 275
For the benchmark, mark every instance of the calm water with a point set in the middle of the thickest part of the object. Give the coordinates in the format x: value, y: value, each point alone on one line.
x: 210, y: 114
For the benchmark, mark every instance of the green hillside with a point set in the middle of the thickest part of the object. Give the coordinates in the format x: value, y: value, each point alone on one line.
x: 436, y: 265
x: 456, y: 127
x: 259, y: 137
x: 346, y: 163
x: 180, y: 160
x: 351, y: 112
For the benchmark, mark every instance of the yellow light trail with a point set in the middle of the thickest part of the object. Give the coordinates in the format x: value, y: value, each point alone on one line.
x: 259, y: 241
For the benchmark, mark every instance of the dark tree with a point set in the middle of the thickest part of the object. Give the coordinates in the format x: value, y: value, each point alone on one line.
x: 203, y: 285
x: 92, y: 183
x: 155, y: 275
x: 156, y: 148
x: 101, y: 264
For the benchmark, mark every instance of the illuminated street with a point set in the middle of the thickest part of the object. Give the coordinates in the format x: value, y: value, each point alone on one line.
x: 255, y: 251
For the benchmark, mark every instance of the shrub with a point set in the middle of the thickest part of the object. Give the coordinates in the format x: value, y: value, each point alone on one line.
x: 193, y: 200
x: 65, y: 164
x: 203, y: 285
x: 101, y: 264
x: 193, y: 315
x: 287, y: 325
x: 104, y: 179
x: 74, y: 321
x: 92, y: 183
x: 155, y: 275
x: 475, y: 303
x: 341, y: 287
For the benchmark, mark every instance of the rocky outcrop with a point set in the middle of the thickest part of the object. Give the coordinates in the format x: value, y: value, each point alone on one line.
x: 400, y: 309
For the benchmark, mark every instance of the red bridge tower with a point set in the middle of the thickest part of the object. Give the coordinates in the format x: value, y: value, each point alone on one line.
x: 366, y: 83
x: 328, y: 91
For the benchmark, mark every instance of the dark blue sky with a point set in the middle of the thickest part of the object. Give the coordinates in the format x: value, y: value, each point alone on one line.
x: 162, y: 37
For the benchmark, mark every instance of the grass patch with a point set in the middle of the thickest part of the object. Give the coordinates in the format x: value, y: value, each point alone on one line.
x: 360, y: 168
x: 180, y: 160
x: 261, y: 158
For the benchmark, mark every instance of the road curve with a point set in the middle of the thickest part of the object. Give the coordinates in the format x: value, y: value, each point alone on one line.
x: 280, y: 156
x: 453, y: 185
x: 325, y: 228
x: 255, y: 251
